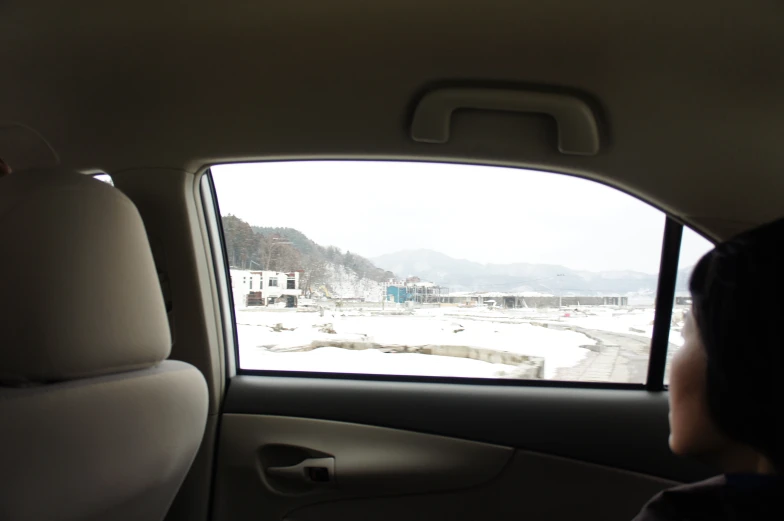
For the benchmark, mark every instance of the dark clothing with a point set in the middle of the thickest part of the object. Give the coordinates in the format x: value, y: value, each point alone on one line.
x: 731, y: 497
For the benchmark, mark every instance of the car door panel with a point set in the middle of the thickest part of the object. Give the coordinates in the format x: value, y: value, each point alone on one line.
x: 434, y: 450
x: 532, y: 487
x: 620, y: 428
x: 277, y: 453
x: 391, y: 474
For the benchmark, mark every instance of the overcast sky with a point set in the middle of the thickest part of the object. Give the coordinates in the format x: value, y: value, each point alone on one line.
x: 484, y: 214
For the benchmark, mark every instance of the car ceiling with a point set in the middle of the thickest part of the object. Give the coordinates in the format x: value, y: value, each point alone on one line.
x: 689, y: 94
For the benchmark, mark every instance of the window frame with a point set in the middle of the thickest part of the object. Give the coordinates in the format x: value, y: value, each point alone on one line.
x: 663, y: 308
x: 665, y: 301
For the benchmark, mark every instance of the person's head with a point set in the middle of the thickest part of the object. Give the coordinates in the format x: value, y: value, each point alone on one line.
x: 726, y: 400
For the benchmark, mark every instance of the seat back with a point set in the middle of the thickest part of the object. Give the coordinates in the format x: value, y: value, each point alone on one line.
x: 95, y: 423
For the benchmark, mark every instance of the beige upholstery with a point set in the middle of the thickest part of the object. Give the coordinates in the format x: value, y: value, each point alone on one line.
x: 95, y: 424
x: 76, y: 267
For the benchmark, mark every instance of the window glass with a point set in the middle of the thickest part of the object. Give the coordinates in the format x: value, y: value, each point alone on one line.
x: 693, y: 247
x: 440, y: 270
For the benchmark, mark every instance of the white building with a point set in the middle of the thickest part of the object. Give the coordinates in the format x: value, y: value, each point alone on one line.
x: 265, y: 288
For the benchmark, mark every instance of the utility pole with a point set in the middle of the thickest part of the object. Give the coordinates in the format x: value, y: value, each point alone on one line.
x: 560, y: 291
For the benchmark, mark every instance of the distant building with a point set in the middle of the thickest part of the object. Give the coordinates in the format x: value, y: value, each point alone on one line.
x: 265, y: 288
x: 415, y: 290
x: 396, y: 294
x: 529, y: 299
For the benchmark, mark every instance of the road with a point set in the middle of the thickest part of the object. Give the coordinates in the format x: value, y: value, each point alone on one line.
x: 617, y: 357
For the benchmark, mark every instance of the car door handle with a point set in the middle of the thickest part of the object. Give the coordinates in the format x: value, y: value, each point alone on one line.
x: 311, y: 471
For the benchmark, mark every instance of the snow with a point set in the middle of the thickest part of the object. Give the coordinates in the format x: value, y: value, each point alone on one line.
x: 343, y: 282
x: 359, y: 340
x: 631, y: 321
x: 372, y: 361
x: 261, y: 344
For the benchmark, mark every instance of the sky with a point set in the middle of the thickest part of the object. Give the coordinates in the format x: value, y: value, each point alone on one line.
x: 479, y: 213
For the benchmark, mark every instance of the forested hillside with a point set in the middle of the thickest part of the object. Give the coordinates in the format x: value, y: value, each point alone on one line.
x: 287, y: 249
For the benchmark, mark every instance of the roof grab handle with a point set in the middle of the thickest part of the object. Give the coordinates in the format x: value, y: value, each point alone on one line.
x: 578, y: 131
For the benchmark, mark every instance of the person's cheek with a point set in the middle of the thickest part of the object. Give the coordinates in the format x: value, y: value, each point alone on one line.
x: 682, y: 395
x: 673, y: 397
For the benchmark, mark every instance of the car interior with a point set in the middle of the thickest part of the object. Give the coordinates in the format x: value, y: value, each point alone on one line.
x: 122, y: 390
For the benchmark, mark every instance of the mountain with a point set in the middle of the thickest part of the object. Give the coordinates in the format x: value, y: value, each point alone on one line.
x: 464, y: 275
x: 311, y: 253
x: 325, y: 269
x: 351, y: 275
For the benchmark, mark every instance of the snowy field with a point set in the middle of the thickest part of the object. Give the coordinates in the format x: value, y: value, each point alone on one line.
x: 637, y: 322
x: 338, y: 341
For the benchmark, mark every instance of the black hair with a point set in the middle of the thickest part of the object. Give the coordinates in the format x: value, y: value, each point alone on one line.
x: 738, y: 302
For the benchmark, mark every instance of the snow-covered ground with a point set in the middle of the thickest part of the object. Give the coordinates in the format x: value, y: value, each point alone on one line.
x: 632, y: 321
x: 371, y: 361
x: 307, y: 341
x: 264, y: 346
x: 636, y: 321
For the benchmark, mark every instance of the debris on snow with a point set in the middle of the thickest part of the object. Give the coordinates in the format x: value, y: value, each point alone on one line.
x: 279, y: 327
x: 327, y: 328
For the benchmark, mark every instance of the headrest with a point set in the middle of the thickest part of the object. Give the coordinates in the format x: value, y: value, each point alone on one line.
x: 80, y: 293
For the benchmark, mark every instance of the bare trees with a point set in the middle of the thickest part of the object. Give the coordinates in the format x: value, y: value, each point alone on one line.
x: 278, y: 254
x: 241, y: 242
x: 287, y: 250
x: 247, y: 249
x: 314, y: 272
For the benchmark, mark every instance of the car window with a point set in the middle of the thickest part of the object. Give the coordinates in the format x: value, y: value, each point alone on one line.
x: 438, y: 270
x: 693, y: 247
